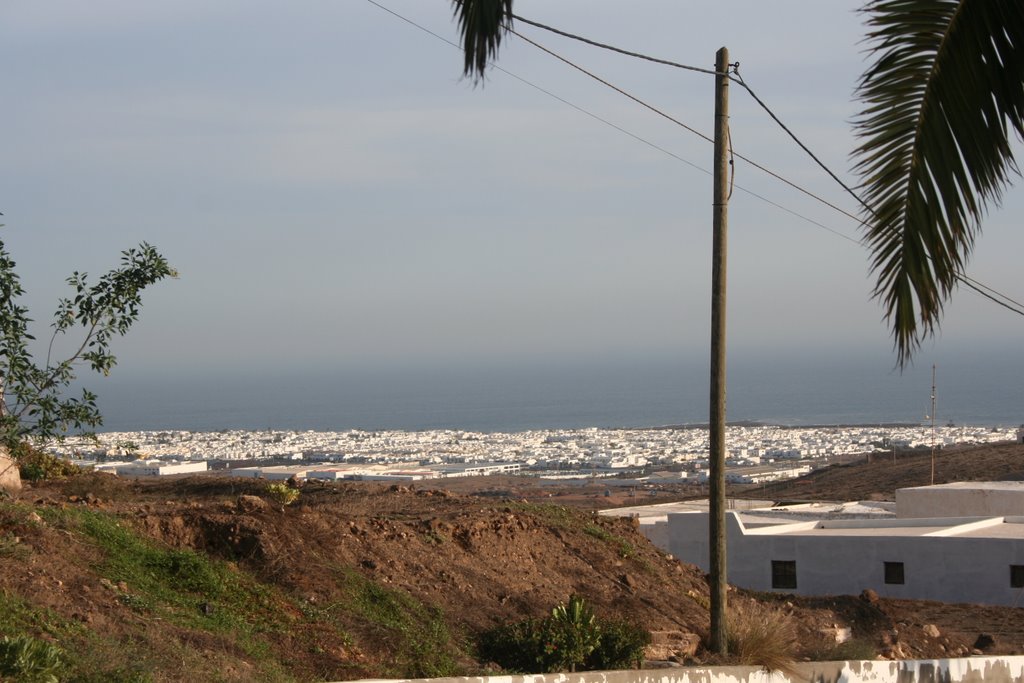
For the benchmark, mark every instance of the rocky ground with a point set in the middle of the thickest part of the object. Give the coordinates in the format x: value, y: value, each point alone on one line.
x: 162, y: 580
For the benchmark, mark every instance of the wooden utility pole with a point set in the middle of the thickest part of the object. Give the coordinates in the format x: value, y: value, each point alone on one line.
x: 933, y: 424
x: 716, y: 461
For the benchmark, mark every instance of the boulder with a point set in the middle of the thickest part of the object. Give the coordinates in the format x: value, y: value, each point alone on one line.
x: 10, y: 479
x: 667, y: 645
x: 248, y: 503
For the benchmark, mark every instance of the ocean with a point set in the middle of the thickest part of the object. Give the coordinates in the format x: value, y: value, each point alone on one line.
x: 795, y: 390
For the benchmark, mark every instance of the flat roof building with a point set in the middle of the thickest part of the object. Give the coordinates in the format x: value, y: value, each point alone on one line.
x: 826, y: 549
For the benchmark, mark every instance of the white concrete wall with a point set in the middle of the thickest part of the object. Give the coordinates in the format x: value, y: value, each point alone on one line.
x: 944, y: 568
x: 972, y: 670
x: 965, y: 499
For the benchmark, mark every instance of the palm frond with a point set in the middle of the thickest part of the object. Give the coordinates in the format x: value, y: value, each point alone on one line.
x: 945, y: 90
x: 482, y: 24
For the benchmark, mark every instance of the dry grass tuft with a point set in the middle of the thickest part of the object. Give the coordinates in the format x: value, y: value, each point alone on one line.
x: 762, y: 635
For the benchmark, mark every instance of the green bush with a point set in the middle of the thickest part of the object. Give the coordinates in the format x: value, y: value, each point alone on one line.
x: 27, y: 660
x: 570, y: 638
x: 37, y: 465
x: 621, y: 646
x: 282, y: 493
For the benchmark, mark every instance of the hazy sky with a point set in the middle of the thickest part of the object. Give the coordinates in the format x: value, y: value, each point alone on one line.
x: 335, y: 195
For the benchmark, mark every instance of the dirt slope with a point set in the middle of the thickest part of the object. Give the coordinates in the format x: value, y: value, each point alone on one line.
x: 169, y: 579
x: 878, y: 476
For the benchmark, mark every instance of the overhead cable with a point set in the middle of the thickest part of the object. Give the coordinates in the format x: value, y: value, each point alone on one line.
x: 976, y: 286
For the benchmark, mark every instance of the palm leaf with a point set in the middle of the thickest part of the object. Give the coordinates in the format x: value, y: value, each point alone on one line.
x: 482, y: 24
x: 946, y: 87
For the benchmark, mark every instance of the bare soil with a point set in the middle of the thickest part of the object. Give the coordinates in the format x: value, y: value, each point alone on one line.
x: 476, y: 553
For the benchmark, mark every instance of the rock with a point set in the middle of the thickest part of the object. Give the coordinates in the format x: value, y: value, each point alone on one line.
x: 984, y: 642
x: 628, y: 580
x: 667, y: 645
x: 836, y: 634
x: 248, y: 503
x: 869, y: 596
x: 931, y: 630
x: 10, y: 478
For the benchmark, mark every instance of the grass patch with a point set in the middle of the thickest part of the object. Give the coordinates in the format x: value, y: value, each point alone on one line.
x: 855, y: 649
x: 18, y: 617
x: 556, y: 516
x: 415, y: 634
x: 624, y: 548
x: 184, y: 588
x: 11, y: 547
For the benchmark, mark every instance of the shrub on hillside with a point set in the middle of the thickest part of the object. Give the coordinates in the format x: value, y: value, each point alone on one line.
x: 37, y: 465
x: 282, y: 493
x: 571, y: 638
x: 29, y: 660
x: 621, y: 646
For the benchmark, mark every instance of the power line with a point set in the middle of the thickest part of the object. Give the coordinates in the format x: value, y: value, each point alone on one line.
x: 662, y: 114
x: 978, y: 287
x: 605, y: 46
x: 626, y: 132
x: 612, y: 86
x: 984, y: 290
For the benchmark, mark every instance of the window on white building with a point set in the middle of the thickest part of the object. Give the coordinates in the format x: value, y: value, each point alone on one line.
x: 784, y: 574
x: 1017, y: 576
x: 894, y: 572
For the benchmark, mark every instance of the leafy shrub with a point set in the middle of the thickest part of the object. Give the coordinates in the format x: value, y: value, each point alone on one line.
x: 28, y: 660
x: 570, y: 638
x: 517, y: 647
x: 37, y: 465
x: 282, y: 493
x: 621, y: 646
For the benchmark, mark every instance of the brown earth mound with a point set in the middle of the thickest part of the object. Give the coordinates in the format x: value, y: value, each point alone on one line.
x: 351, y: 580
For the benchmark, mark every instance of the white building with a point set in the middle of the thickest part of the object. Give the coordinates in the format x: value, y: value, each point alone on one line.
x: 977, y: 557
x: 156, y: 468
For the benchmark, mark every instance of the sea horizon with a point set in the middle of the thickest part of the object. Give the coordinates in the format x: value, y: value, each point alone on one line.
x: 626, y: 394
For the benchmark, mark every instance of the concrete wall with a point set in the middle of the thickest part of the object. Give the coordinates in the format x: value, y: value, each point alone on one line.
x: 962, y: 499
x: 936, y: 567
x: 972, y: 670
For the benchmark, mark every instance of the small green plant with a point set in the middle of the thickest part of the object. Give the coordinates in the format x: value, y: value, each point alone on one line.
x: 28, y: 660
x: 570, y: 638
x: 574, y: 632
x: 282, y: 493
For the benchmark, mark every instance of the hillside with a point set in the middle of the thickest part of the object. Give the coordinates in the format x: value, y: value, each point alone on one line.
x: 208, y: 578
x: 877, y: 477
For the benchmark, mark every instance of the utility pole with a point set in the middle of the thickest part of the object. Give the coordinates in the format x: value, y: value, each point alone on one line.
x: 933, y: 424
x: 716, y: 460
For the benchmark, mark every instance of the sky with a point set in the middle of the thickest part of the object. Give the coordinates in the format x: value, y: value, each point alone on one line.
x: 334, y: 194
